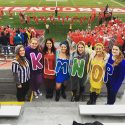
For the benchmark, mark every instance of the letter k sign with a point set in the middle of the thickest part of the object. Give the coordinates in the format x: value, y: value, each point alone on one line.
x: 36, y: 61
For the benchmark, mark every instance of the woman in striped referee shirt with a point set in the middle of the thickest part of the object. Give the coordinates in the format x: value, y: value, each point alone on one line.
x: 21, y: 72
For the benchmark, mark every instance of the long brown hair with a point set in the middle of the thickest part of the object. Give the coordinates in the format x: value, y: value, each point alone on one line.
x: 118, y: 59
x: 68, y: 48
x: 45, y: 49
x: 20, y: 59
x: 80, y: 43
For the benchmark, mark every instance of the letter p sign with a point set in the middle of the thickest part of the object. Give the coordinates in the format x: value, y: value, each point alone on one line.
x: 109, y: 71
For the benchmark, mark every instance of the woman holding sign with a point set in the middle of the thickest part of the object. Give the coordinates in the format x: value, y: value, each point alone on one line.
x: 79, y: 60
x: 62, y: 69
x: 96, y: 69
x: 115, y: 73
x: 49, y: 52
x: 34, y: 57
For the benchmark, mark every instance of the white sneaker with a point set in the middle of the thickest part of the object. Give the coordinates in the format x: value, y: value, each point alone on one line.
x: 39, y: 93
x: 35, y: 95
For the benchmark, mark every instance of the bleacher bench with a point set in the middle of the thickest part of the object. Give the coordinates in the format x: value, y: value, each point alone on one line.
x: 5, y: 124
x: 114, y: 123
x: 9, y: 111
x: 102, y: 110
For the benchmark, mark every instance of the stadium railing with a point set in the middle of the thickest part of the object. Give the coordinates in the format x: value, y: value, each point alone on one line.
x: 7, y: 52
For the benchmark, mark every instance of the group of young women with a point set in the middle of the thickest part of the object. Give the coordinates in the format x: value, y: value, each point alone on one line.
x: 54, y: 67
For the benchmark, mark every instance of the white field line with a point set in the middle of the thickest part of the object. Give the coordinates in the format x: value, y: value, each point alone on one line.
x: 57, y: 0
x: 39, y: 2
x: 118, y: 3
x: 99, y: 3
x: 72, y: 3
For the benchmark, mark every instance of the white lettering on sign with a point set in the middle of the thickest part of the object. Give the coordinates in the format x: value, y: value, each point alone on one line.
x: 50, y: 9
x: 7, y: 8
x: 118, y: 10
x: 18, y: 9
x: 84, y: 9
x: 60, y: 9
x: 69, y: 9
x: 35, y: 9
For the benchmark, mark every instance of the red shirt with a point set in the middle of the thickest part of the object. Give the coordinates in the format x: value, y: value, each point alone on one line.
x: 49, y: 66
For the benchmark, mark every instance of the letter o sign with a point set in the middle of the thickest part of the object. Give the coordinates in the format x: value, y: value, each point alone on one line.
x: 97, y: 73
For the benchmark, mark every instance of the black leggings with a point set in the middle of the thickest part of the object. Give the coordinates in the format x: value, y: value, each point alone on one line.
x: 49, y: 83
x: 111, y: 95
x: 21, y: 92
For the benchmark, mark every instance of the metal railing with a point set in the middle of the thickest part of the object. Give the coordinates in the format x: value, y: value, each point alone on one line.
x: 6, y: 52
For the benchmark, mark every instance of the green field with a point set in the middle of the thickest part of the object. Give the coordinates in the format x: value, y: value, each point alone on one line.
x: 87, y: 3
x: 58, y: 31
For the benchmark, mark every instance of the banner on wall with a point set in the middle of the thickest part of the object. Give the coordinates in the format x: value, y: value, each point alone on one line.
x: 60, y: 9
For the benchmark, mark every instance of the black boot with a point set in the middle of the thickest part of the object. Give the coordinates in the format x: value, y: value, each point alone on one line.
x: 63, y: 91
x: 51, y: 93
x: 94, y: 98
x: 73, y: 98
x: 47, y: 93
x: 76, y: 123
x: 57, y: 95
x: 81, y: 93
x: 90, y: 99
x: 77, y: 96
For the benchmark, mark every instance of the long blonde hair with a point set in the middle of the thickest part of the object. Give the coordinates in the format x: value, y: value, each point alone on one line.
x: 100, y: 44
x: 92, y: 56
x: 35, y: 39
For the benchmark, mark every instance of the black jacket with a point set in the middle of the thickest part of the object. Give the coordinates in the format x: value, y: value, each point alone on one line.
x: 94, y: 123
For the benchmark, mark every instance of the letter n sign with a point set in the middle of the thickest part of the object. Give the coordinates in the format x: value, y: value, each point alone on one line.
x: 78, y: 67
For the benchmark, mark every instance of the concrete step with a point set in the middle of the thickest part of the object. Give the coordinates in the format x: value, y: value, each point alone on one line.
x: 9, y: 111
x: 6, y: 73
x: 45, y: 114
x: 53, y: 104
x: 7, y: 91
x: 42, y: 100
x: 55, y: 113
x: 7, y: 80
x: 7, y: 84
x: 6, y: 76
x: 98, y: 110
x: 7, y: 87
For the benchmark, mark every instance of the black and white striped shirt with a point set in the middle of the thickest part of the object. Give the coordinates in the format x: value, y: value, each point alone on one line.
x: 23, y: 72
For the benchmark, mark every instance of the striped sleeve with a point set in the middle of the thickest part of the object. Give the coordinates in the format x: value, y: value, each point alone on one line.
x: 15, y: 67
x: 21, y: 73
